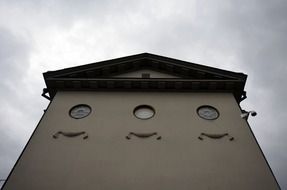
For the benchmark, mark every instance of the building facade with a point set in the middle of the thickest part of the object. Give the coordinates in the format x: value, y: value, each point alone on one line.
x: 142, y: 122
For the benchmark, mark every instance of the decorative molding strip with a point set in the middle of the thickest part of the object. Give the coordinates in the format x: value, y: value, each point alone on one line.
x: 70, y: 134
x: 140, y: 84
x: 215, y: 136
x: 143, y: 135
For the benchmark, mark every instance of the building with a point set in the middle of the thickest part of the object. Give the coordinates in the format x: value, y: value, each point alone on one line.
x: 143, y: 122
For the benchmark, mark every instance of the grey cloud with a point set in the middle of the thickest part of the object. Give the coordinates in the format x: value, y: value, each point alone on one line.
x: 64, y: 14
x: 13, y: 56
x: 13, y: 66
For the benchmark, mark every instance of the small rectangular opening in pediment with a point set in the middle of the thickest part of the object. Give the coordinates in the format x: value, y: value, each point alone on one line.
x: 145, y: 75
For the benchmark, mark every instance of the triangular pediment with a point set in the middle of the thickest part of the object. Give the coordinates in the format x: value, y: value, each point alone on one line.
x: 144, y: 71
x: 122, y: 66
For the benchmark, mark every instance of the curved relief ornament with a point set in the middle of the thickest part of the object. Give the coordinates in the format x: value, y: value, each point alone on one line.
x: 70, y: 134
x: 143, y: 135
x: 215, y: 136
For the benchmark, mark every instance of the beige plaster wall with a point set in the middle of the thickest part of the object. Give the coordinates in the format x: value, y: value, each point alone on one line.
x: 108, y: 161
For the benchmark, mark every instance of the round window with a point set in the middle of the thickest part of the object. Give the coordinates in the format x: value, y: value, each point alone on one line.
x: 80, y: 111
x: 208, y: 112
x: 144, y: 112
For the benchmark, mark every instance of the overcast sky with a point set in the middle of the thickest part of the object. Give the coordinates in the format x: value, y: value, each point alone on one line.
x: 242, y: 36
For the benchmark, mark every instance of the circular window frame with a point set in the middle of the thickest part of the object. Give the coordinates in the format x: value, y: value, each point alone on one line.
x: 144, y: 106
x: 79, y: 105
x: 210, y: 107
